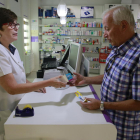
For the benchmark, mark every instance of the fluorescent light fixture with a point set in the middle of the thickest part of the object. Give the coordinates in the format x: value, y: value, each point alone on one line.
x: 63, y: 20
x: 26, y: 20
x: 62, y: 9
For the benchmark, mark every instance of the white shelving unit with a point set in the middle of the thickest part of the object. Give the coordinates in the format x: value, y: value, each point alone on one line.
x: 52, y: 34
x: 29, y: 56
x: 138, y: 27
x: 26, y: 35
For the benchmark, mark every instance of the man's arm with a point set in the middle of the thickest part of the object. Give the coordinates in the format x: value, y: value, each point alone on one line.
x: 79, y: 79
x: 127, y: 105
x: 95, y: 80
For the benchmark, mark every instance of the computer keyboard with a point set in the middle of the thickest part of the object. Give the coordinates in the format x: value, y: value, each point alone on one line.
x: 51, y: 64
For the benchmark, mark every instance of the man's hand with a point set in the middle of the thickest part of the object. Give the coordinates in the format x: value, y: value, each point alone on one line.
x: 91, y: 104
x: 78, y: 80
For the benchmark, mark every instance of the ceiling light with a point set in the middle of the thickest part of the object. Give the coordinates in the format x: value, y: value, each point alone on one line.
x: 63, y: 20
x: 62, y: 9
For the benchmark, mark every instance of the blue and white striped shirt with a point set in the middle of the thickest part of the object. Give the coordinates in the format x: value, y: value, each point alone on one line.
x: 122, y: 82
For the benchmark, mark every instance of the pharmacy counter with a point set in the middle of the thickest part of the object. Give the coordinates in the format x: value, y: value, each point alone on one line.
x: 59, y: 116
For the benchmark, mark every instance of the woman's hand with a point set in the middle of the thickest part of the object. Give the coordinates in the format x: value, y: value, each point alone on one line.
x: 42, y: 90
x: 78, y: 79
x: 56, y: 83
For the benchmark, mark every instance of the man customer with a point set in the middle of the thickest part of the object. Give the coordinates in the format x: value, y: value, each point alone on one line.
x: 120, y: 89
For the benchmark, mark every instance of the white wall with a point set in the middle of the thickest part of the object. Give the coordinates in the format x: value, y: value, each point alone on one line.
x: 126, y: 1
x: 25, y: 8
x: 78, y: 2
x: 20, y: 8
x: 2, y: 3
x: 135, y: 8
x: 15, y: 7
x: 35, y: 46
x: 135, y: 1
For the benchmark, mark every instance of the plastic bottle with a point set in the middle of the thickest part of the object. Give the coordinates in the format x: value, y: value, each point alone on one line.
x: 58, y: 31
x: 87, y: 24
x: 44, y: 10
x: 72, y: 24
x: 79, y: 41
x: 76, y: 24
x: 67, y: 24
x: 79, y: 24
x: 92, y: 24
x: 83, y: 24
x: 101, y: 25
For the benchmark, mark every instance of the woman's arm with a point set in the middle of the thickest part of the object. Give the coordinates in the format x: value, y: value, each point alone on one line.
x: 9, y: 83
x: 42, y: 90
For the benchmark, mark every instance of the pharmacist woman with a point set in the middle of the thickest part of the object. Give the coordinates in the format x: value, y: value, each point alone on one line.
x: 13, y: 81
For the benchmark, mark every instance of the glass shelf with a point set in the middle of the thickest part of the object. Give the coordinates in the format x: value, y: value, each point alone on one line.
x: 91, y: 44
x: 90, y: 53
x: 25, y: 23
x: 72, y: 35
x: 45, y: 51
x: 49, y: 26
x: 94, y: 68
x: 66, y: 27
x: 72, y: 18
x: 94, y: 61
x: 50, y: 43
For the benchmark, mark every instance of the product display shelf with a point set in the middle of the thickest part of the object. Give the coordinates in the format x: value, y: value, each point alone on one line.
x: 91, y: 52
x: 29, y: 56
x: 49, y: 26
x: 26, y: 35
x: 52, y: 34
x: 49, y: 43
x: 72, y: 35
x: 138, y: 27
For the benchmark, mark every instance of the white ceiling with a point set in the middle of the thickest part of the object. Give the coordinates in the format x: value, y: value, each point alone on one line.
x: 78, y: 2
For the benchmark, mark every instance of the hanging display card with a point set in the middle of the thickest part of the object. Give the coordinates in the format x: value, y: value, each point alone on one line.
x: 104, y: 52
x: 34, y: 31
x: 87, y: 12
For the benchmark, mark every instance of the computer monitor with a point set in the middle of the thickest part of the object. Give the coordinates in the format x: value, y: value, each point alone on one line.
x: 66, y: 40
x: 65, y: 56
x: 84, y: 68
x: 75, y: 56
x: 69, y: 41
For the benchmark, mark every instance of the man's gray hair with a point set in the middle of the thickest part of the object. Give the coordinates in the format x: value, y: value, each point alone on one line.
x: 120, y: 13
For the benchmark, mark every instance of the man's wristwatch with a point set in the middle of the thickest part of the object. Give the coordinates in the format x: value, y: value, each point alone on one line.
x: 102, y: 106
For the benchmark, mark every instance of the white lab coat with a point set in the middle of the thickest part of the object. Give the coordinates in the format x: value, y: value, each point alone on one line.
x: 9, y: 63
